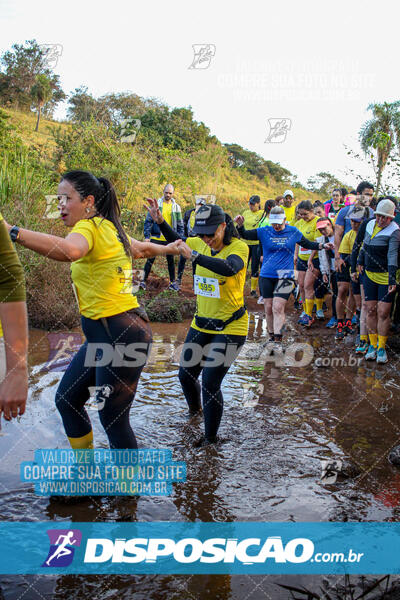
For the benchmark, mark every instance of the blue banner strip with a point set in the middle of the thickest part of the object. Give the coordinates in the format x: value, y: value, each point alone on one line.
x: 191, y: 548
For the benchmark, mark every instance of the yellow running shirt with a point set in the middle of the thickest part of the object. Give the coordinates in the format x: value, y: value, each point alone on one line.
x: 251, y: 221
x: 228, y: 291
x: 167, y: 214
x: 347, y: 243
x: 290, y: 212
x: 310, y: 232
x: 102, y: 277
x: 381, y: 278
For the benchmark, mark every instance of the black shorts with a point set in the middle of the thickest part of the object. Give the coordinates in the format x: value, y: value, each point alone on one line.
x: 276, y: 288
x: 376, y: 291
x: 356, y: 286
x: 344, y: 274
x: 303, y: 266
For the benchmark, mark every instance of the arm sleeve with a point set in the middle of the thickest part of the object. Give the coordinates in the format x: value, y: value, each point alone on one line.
x: 393, y: 251
x: 167, y: 231
x: 305, y: 243
x: 248, y: 234
x: 87, y: 228
x: 357, y: 247
x: 12, y: 281
x: 225, y: 267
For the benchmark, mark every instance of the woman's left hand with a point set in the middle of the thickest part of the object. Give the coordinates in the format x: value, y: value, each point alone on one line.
x: 184, y: 249
x: 174, y: 248
x: 154, y: 211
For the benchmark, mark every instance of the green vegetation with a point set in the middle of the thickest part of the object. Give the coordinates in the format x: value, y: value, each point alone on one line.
x: 169, y: 307
x: 170, y: 146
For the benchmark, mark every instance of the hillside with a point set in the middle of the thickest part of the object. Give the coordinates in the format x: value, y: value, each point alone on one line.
x: 31, y: 165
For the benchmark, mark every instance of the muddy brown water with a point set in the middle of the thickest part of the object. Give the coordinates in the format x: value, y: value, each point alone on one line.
x: 279, y: 423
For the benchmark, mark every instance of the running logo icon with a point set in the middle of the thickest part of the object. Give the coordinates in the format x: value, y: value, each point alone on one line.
x: 203, y: 54
x: 62, y: 347
x: 278, y: 129
x: 62, y: 547
x: 51, y: 54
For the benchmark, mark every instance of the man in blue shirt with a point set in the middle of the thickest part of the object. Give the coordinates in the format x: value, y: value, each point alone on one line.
x: 365, y: 193
x: 276, y: 279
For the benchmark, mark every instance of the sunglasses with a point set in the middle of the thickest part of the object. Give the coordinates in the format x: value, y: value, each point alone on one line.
x: 207, y: 235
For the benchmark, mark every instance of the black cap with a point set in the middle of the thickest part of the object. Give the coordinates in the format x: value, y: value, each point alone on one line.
x: 255, y: 200
x: 208, y: 218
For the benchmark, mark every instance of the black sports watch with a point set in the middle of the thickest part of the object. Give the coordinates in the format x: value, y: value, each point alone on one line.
x: 14, y: 233
x: 194, y: 256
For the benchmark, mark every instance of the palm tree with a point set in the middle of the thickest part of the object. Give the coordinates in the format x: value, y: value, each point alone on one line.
x: 41, y: 92
x: 380, y: 133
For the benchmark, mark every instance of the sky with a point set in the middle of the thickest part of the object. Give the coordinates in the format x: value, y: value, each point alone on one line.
x: 315, y: 66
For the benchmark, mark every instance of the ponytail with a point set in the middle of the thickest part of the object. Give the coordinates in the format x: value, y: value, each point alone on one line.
x: 230, y: 230
x: 105, y: 200
x: 109, y: 208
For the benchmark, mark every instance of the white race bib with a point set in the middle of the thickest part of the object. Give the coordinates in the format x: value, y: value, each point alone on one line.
x: 206, y: 286
x: 305, y: 251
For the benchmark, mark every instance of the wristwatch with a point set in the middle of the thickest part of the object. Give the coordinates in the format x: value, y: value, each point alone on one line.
x: 194, y: 256
x: 14, y: 233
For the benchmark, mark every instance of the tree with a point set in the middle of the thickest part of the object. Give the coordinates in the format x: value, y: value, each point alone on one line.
x: 83, y: 107
x: 41, y: 92
x: 379, y: 134
x: 20, y: 67
x: 323, y: 183
x: 256, y: 164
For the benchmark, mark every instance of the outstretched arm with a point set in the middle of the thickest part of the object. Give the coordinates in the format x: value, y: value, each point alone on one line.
x: 148, y: 249
x: 68, y: 249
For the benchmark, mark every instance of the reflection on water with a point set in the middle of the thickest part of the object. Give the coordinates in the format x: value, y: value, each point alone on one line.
x: 279, y: 423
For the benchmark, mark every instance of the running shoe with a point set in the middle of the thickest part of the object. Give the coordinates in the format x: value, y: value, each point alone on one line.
x: 142, y: 285
x: 253, y: 294
x: 174, y: 285
x: 299, y: 320
x: 348, y: 329
x: 381, y: 356
x: 332, y: 323
x: 355, y: 320
x: 307, y: 321
x: 320, y: 315
x: 339, y: 332
x: 371, y: 353
x: 362, y: 347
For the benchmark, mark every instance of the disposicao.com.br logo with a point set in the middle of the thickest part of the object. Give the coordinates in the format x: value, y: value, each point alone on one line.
x: 61, y: 551
x: 162, y: 547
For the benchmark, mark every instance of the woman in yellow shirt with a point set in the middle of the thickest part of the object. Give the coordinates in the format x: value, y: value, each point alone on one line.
x: 219, y: 327
x: 307, y: 264
x: 101, y: 256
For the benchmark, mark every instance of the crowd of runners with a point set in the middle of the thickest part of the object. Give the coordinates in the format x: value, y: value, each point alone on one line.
x: 337, y: 260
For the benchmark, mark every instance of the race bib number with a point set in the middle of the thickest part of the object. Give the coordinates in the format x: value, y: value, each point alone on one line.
x: 305, y: 251
x: 206, y: 286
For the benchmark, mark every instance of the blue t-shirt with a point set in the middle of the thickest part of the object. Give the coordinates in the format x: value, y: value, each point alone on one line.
x: 343, y: 220
x: 278, y: 251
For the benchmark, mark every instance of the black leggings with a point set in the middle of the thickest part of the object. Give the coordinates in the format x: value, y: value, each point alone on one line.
x: 116, y: 385
x: 254, y: 257
x: 170, y: 262
x: 214, y: 371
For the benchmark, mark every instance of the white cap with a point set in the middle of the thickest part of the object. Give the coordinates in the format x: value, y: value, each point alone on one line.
x: 276, y: 215
x: 288, y: 193
x: 385, y: 208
